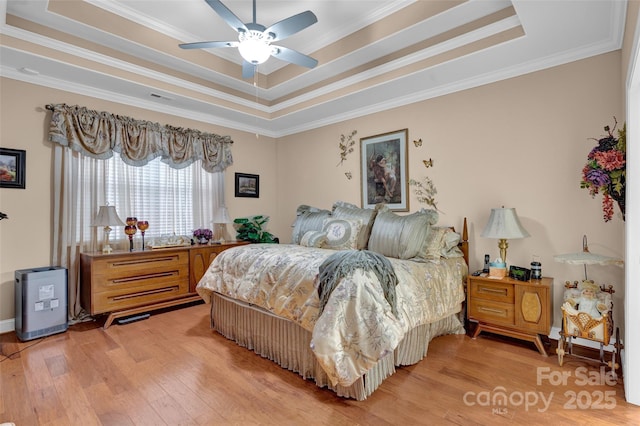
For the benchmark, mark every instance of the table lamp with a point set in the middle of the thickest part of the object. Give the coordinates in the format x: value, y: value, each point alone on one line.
x: 504, y: 224
x: 220, y: 220
x: 106, y: 217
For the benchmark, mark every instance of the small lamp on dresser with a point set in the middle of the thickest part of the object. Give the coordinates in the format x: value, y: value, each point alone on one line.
x: 504, y: 224
x: 220, y: 220
x: 107, y: 216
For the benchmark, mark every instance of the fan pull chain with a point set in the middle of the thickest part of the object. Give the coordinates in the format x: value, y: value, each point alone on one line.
x: 255, y: 84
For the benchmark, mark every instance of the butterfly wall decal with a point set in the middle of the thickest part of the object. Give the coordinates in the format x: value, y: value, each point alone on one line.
x: 428, y: 163
x: 348, y: 175
x: 418, y: 143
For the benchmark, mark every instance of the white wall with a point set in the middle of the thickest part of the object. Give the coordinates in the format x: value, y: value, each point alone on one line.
x: 631, y: 352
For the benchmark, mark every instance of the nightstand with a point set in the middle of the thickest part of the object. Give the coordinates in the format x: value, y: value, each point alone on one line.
x: 518, y: 309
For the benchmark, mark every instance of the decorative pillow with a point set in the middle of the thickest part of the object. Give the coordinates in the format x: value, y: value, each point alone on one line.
x: 343, y: 210
x: 314, y: 239
x: 442, y: 242
x: 342, y: 234
x: 308, y: 219
x: 402, y: 237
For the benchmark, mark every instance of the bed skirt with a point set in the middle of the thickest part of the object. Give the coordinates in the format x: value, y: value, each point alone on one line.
x: 287, y: 344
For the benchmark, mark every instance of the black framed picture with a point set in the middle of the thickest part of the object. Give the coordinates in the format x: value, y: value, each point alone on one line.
x: 247, y: 185
x: 12, y: 168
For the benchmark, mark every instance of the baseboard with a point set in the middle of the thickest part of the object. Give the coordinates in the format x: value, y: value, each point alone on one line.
x: 7, y: 326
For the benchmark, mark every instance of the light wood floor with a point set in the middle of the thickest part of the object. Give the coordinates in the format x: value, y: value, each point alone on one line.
x: 172, y: 369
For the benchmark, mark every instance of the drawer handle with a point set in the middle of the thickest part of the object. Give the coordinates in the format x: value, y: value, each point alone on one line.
x: 501, y: 291
x: 142, y: 261
x: 145, y: 293
x: 493, y: 311
x: 145, y: 277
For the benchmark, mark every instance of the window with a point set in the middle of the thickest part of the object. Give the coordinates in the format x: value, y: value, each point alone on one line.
x: 173, y: 201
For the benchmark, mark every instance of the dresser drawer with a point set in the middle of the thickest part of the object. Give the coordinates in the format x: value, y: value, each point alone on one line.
x: 150, y: 292
x: 496, y: 291
x: 494, y: 312
x: 126, y: 267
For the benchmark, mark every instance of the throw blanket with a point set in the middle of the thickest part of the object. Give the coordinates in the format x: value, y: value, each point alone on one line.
x: 344, y: 263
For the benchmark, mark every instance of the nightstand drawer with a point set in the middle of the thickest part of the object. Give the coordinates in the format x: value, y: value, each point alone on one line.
x: 487, y: 310
x: 497, y: 291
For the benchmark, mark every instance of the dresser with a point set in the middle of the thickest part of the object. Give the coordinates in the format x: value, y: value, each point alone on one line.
x: 518, y: 309
x: 128, y: 283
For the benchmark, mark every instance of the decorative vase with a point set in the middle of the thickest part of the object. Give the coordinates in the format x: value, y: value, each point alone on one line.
x: 203, y: 241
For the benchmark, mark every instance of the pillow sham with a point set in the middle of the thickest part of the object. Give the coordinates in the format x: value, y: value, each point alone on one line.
x: 343, y: 210
x: 402, y: 237
x: 442, y: 242
x: 314, y: 239
x: 308, y: 219
x: 342, y: 234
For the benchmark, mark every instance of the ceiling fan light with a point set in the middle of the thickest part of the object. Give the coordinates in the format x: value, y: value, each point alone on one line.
x: 254, y: 51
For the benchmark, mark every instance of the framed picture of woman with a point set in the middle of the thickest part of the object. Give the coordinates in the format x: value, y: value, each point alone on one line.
x: 384, y: 170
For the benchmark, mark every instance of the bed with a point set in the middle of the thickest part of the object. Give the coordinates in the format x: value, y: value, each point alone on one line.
x: 358, y: 293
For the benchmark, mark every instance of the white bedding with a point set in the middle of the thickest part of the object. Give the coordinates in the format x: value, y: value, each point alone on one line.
x: 357, y: 327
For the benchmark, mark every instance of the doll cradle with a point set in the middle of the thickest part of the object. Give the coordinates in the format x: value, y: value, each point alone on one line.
x: 589, y: 318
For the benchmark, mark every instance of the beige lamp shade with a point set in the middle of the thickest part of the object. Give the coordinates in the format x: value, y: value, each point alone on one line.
x: 222, y: 215
x: 504, y: 224
x: 106, y: 217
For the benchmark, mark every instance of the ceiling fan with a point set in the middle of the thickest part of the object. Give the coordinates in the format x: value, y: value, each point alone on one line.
x: 254, y: 40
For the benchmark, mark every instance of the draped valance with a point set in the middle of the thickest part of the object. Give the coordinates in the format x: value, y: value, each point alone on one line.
x: 100, y: 134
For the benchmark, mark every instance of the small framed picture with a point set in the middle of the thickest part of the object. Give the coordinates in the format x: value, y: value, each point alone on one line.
x: 12, y: 168
x: 247, y: 185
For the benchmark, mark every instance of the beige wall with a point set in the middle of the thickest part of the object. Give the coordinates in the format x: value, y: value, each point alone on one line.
x: 519, y: 143
x: 25, y: 238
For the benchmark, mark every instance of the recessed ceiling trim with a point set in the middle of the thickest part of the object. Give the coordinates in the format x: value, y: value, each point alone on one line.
x: 119, y: 98
x: 387, y: 67
x: 80, y: 52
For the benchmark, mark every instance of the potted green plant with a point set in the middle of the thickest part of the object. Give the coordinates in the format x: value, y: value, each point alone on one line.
x: 250, y: 229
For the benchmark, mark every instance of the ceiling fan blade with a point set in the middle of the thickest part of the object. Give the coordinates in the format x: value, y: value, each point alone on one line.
x: 293, y: 56
x: 209, y: 44
x: 229, y: 17
x: 291, y: 25
x: 248, y: 69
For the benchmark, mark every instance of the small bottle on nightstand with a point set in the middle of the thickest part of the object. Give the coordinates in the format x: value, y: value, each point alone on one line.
x: 536, y: 268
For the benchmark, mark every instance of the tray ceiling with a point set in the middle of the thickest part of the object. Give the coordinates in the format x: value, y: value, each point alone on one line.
x: 373, y: 55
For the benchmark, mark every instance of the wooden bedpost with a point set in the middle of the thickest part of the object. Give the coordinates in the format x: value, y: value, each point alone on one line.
x: 464, y: 243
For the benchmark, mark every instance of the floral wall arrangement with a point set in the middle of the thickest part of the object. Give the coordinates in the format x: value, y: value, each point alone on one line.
x: 346, y: 147
x: 605, y: 172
